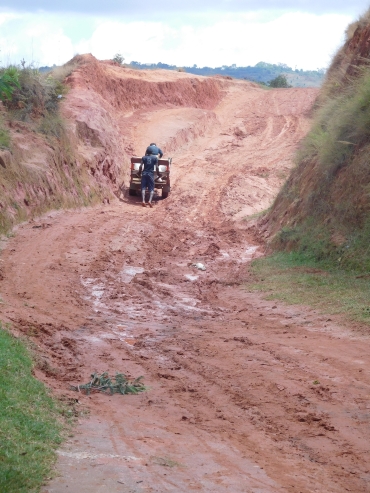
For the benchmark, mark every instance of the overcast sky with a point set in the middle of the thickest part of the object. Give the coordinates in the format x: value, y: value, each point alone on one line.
x: 301, y: 33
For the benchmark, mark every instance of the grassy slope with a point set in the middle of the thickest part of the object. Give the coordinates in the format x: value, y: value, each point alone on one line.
x: 296, y: 279
x: 327, y: 196
x: 30, y: 429
x: 320, y: 221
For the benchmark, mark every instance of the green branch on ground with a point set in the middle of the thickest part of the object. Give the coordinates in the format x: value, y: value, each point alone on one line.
x: 103, y: 383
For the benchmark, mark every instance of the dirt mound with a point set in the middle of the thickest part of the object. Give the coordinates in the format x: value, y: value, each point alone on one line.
x: 125, y: 89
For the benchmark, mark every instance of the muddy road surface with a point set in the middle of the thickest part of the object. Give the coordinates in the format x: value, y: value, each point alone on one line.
x: 245, y: 395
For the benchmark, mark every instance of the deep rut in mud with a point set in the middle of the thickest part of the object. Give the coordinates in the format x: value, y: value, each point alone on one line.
x: 232, y: 405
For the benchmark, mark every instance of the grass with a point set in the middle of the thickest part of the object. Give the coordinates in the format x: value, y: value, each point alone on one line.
x: 30, y: 428
x: 296, y: 278
x: 4, y: 135
x: 341, y: 124
x: 53, y: 125
x: 330, y: 248
x: 64, y: 71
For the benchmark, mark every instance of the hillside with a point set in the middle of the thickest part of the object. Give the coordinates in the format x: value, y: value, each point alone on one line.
x: 323, y: 210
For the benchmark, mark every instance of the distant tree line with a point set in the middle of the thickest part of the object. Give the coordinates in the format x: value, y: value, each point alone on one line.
x: 262, y: 72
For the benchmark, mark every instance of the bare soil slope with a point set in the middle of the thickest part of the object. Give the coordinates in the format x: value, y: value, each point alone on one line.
x: 232, y: 405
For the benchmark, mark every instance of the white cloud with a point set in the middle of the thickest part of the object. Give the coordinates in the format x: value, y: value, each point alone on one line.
x: 297, y: 39
x: 132, y: 40
x: 138, y: 9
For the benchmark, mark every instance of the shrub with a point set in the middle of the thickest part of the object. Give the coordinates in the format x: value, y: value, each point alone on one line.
x: 9, y: 81
x: 35, y: 96
x: 279, y: 81
x: 118, y: 58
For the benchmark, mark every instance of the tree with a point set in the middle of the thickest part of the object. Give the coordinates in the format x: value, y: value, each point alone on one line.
x: 279, y: 81
x: 9, y: 80
x: 118, y: 58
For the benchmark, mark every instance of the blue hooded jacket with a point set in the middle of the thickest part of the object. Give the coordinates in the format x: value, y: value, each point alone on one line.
x: 155, y: 150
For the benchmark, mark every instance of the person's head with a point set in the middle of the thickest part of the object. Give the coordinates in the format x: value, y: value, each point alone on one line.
x: 149, y: 151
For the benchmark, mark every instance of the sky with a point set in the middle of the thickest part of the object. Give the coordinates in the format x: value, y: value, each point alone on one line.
x: 303, y: 34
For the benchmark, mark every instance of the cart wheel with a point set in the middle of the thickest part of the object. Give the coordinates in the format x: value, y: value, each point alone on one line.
x: 165, y: 192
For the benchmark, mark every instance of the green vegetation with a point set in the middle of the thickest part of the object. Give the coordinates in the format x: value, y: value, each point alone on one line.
x: 33, y: 108
x: 4, y: 135
x: 120, y: 384
x: 297, y: 279
x: 341, y: 125
x: 316, y: 242
x: 328, y: 194
x: 321, y: 217
x: 36, y: 95
x: 31, y: 97
x: 30, y: 429
x: 9, y: 81
x: 118, y: 58
x: 280, y: 81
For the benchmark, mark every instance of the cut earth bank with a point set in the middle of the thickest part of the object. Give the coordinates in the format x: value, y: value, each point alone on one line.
x: 232, y: 405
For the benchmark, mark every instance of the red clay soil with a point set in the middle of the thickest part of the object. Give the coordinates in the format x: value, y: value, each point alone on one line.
x: 232, y: 405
